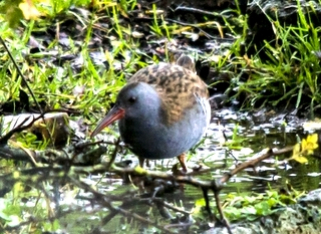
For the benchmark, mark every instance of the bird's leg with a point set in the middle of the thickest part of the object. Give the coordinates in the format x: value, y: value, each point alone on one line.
x: 182, y: 161
x: 141, y: 161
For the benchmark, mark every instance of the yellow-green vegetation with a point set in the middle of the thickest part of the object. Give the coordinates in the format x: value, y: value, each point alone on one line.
x: 251, y: 207
x: 289, y: 74
x: 292, y: 69
x: 306, y: 147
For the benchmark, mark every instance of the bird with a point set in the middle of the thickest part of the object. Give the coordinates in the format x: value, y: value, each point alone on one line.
x: 162, y: 111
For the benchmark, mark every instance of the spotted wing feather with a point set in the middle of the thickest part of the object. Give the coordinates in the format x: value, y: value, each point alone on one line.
x: 177, y: 86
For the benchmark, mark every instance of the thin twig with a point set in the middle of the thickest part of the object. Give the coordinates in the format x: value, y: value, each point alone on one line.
x: 220, y: 211
x: 113, y: 156
x: 28, y: 87
x: 104, y: 200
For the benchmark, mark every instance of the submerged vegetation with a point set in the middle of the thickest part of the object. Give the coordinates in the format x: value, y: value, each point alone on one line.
x: 76, y: 56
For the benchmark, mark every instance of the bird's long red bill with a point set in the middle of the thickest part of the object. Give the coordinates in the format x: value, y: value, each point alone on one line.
x: 114, y: 114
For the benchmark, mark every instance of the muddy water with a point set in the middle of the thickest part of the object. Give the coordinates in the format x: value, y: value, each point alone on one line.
x: 245, y: 136
x: 234, y: 138
x: 254, y: 134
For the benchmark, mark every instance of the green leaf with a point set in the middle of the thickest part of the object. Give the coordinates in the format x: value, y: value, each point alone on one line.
x: 12, y: 12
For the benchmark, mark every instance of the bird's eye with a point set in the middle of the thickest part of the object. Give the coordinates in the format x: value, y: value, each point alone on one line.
x: 132, y: 100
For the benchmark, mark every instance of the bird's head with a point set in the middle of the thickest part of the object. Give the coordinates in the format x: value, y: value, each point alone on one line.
x: 136, y: 100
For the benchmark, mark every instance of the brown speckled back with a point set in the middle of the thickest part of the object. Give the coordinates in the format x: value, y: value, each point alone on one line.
x: 178, y: 85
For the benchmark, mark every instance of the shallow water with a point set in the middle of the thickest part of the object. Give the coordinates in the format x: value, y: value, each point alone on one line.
x: 248, y: 137
x: 275, y: 172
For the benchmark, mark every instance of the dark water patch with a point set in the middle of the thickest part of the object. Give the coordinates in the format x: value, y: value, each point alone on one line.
x: 245, y: 138
x: 232, y: 138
